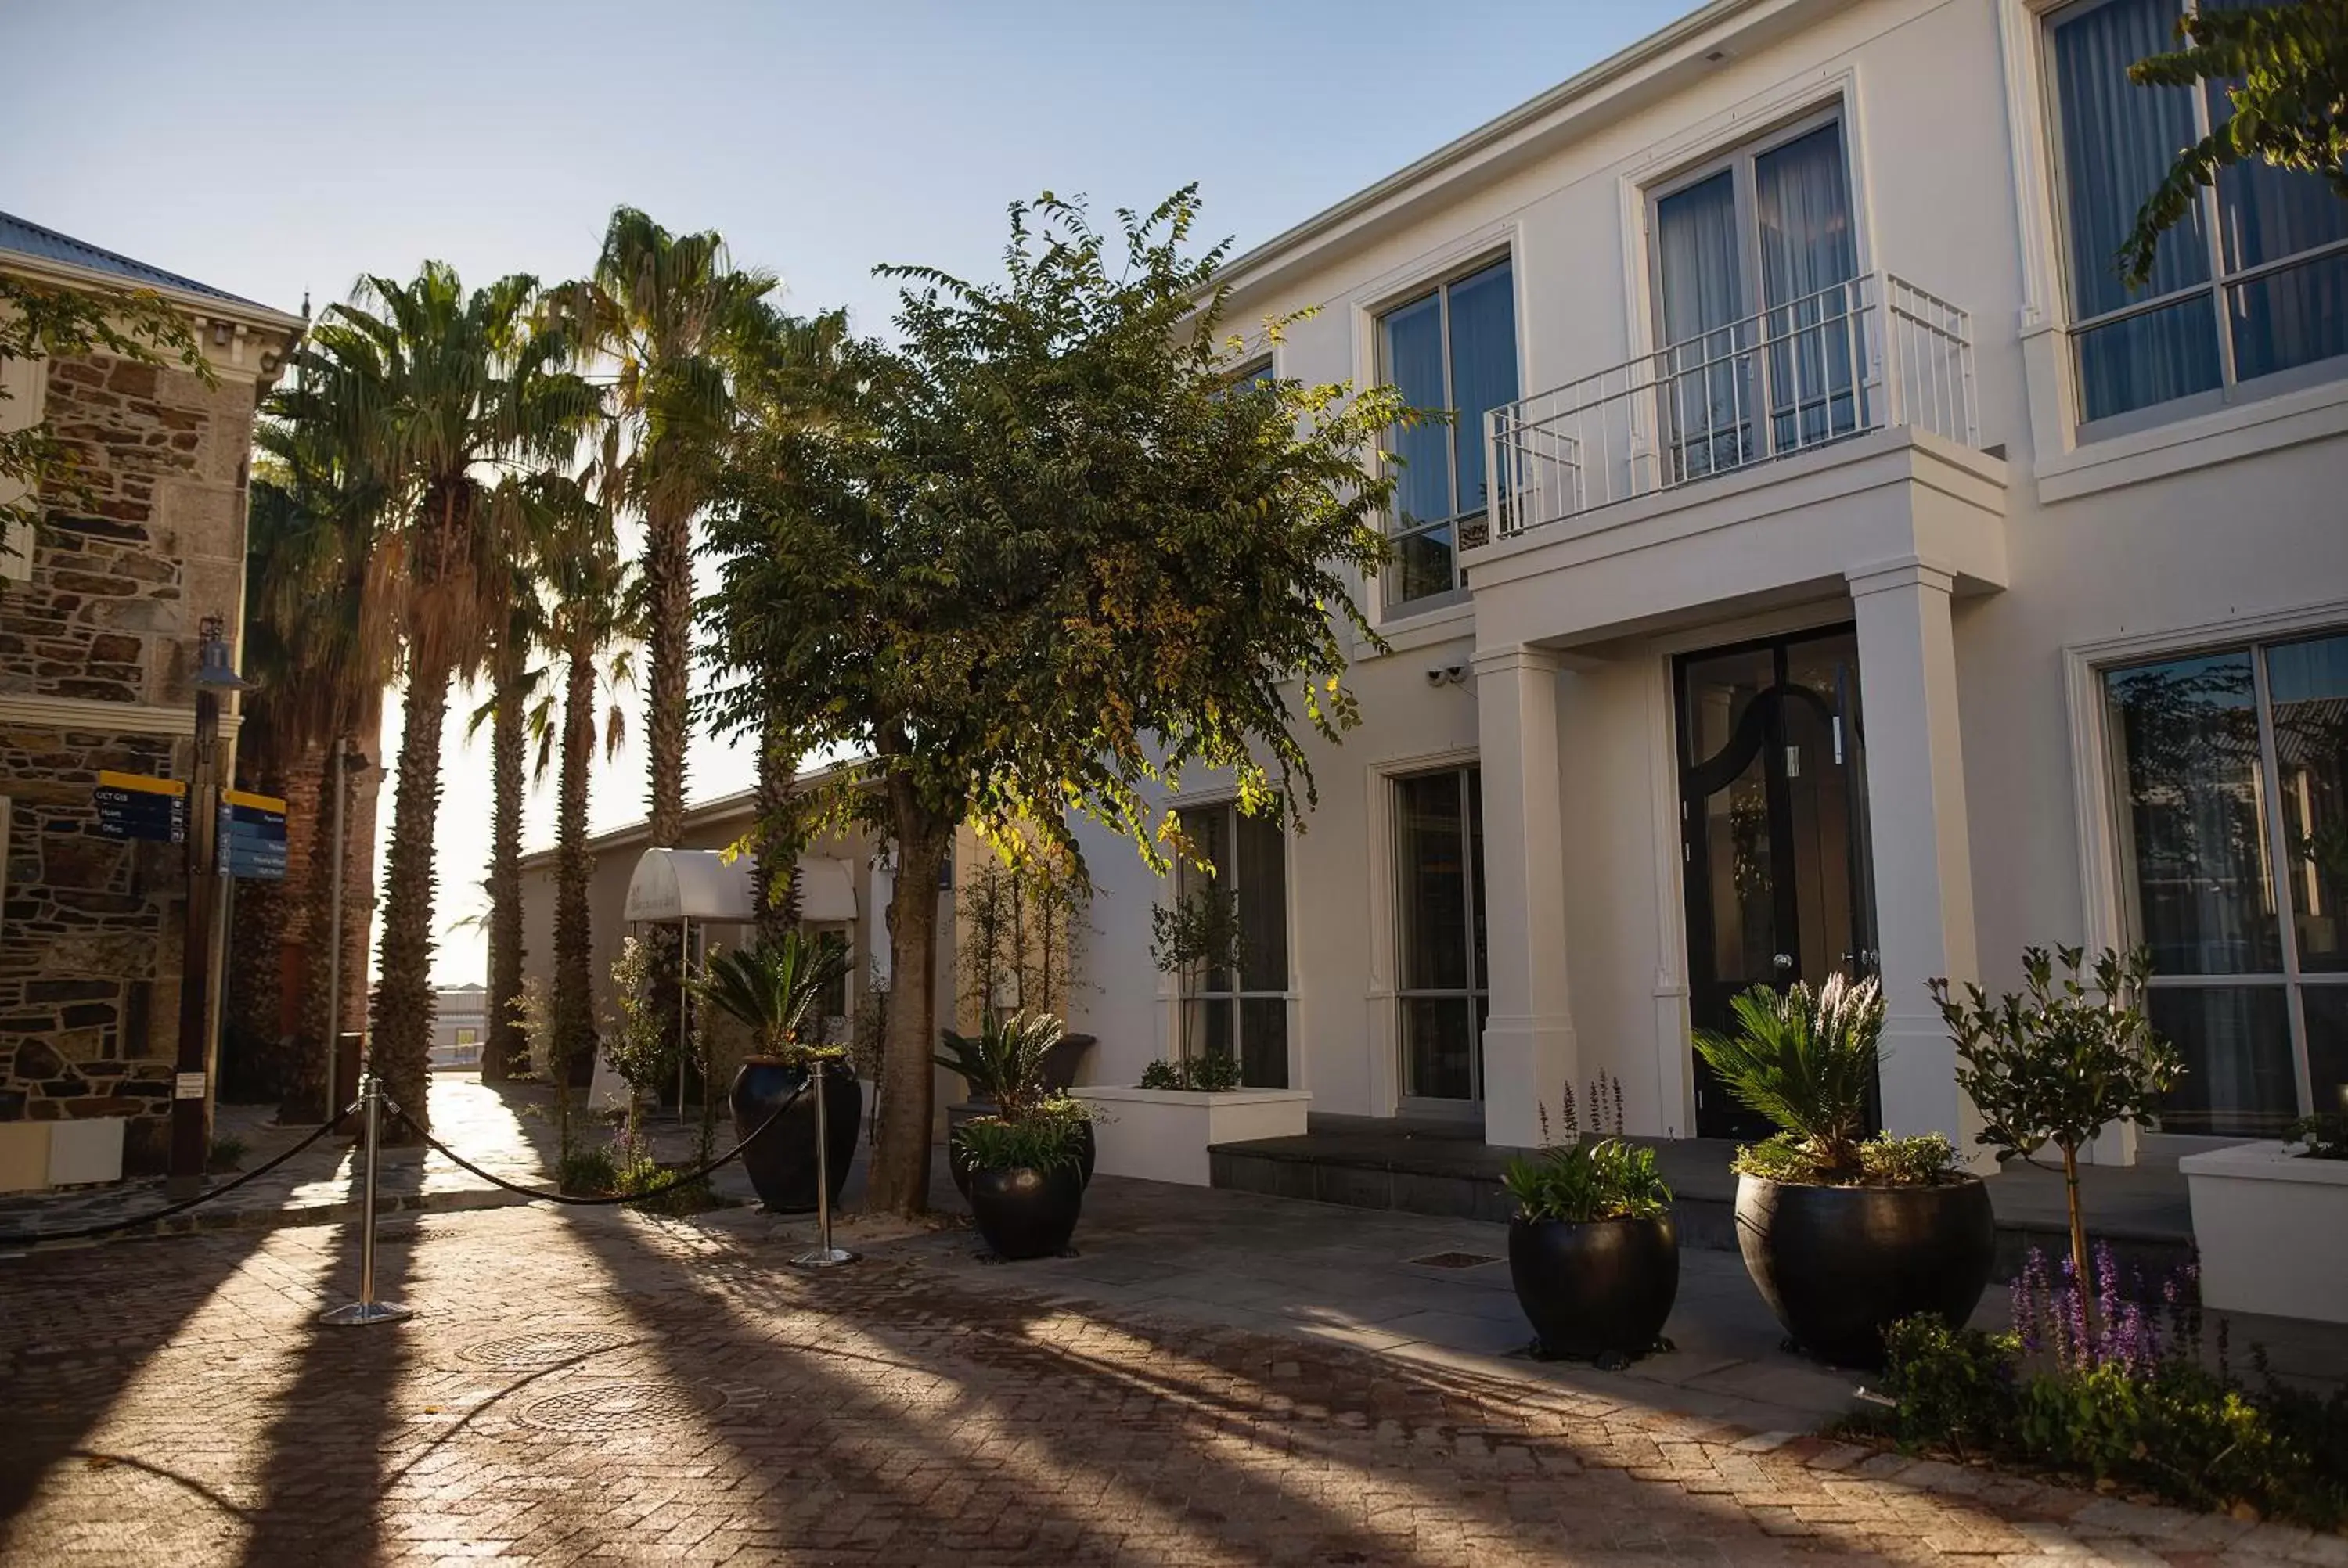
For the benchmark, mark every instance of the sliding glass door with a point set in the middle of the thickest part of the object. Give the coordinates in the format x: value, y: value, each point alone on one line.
x: 1440, y: 948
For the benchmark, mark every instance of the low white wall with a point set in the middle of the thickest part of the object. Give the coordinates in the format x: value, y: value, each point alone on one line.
x: 1162, y: 1134
x: 2269, y: 1225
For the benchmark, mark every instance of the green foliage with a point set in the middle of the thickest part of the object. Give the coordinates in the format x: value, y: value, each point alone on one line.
x: 227, y: 1150
x: 1806, y: 1060
x: 773, y: 987
x: 641, y: 1043
x: 1190, y: 939
x: 1605, y: 1179
x: 1883, y: 1161
x: 1021, y: 923
x: 2284, y: 69
x: 1212, y: 1072
x: 587, y: 1171
x: 2058, y: 1061
x: 1048, y: 1138
x: 635, y: 1171
x: 2322, y: 1137
x: 38, y: 321
x: 1005, y: 1064
x: 2172, y: 1427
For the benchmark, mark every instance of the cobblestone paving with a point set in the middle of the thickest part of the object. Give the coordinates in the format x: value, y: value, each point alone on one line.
x: 608, y: 1389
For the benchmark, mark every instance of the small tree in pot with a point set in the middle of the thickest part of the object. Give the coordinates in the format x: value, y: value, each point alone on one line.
x: 1843, y: 1234
x: 2061, y: 1061
x: 1005, y: 1067
x: 1190, y: 939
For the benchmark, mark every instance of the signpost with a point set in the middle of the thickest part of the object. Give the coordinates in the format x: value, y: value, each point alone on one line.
x: 135, y: 806
x: 252, y: 836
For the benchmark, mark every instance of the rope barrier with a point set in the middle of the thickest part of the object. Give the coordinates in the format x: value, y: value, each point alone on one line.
x: 82, y: 1233
x: 682, y: 1179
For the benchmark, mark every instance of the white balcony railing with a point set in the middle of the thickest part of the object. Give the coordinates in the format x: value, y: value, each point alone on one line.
x: 1871, y: 353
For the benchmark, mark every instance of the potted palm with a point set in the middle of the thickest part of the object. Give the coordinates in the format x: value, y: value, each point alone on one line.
x: 1007, y: 1071
x: 773, y: 987
x: 1843, y: 1234
x: 1592, y: 1249
x: 1026, y: 1181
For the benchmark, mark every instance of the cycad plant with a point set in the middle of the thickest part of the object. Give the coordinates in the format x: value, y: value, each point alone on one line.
x: 773, y: 988
x: 1003, y: 1064
x: 1806, y: 1059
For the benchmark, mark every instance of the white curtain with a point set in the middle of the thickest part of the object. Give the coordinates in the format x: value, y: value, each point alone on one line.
x: 1802, y: 202
x: 1706, y: 392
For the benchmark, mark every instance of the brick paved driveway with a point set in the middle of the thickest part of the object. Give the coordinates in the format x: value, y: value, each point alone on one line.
x: 610, y: 1389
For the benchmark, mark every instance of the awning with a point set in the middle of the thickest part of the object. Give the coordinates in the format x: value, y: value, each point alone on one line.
x: 690, y: 885
x: 826, y: 889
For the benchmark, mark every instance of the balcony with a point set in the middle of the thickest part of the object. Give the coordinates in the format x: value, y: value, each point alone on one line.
x: 1874, y: 353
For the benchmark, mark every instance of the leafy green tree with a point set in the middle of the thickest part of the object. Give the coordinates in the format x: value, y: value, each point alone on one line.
x: 1037, y: 557
x: 2060, y: 1060
x: 2285, y: 71
x: 41, y: 321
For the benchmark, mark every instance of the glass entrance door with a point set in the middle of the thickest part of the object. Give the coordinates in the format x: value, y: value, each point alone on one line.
x: 1773, y: 810
x: 1441, y: 947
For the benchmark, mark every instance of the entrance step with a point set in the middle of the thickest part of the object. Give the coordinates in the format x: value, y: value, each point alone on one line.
x: 2140, y: 1210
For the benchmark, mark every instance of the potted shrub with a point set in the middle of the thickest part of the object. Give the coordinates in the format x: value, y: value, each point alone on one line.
x: 1844, y: 1235
x: 1026, y: 1181
x: 1591, y: 1250
x: 2061, y: 1061
x: 1007, y: 1071
x: 773, y: 987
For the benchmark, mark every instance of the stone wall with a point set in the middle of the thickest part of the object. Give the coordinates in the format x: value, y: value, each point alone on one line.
x: 127, y: 563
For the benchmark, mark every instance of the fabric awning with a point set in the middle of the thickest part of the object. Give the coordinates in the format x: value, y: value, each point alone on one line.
x: 826, y: 889
x: 690, y: 885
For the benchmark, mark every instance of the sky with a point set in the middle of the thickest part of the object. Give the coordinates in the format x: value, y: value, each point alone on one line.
x: 277, y: 148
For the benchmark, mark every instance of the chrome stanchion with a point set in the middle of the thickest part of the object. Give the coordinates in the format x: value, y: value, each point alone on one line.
x: 824, y: 1255
x: 367, y: 1309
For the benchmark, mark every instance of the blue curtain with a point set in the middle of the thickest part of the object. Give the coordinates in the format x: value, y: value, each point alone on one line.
x: 1413, y: 356
x: 1483, y: 370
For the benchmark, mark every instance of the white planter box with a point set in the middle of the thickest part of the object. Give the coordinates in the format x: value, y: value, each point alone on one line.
x: 86, y: 1151
x: 2268, y: 1227
x: 1162, y: 1134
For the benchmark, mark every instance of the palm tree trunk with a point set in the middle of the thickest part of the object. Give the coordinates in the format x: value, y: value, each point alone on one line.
x: 900, y: 1181
x: 302, y: 1089
x: 574, y: 979
x: 505, y: 1043
x: 401, y: 1026
x: 779, y: 908
x: 668, y: 591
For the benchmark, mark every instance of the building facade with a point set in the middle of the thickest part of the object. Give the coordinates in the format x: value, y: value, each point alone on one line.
x: 99, y: 622
x: 1832, y: 566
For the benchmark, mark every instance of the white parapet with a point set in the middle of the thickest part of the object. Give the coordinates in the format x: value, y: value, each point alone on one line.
x: 1163, y: 1134
x: 2270, y: 1226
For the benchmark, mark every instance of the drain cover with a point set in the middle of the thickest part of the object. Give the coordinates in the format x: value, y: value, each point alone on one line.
x: 1453, y: 1260
x: 621, y: 1406
x: 529, y: 1352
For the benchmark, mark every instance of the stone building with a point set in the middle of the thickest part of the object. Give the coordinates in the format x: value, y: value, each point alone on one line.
x: 98, y: 627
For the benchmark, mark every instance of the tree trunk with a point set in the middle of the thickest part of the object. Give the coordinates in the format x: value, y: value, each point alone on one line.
x: 668, y: 591
x: 2079, y: 1275
x: 302, y: 1093
x: 779, y: 908
x: 504, y: 1043
x: 575, y: 977
x: 900, y: 1181
x: 401, y: 1027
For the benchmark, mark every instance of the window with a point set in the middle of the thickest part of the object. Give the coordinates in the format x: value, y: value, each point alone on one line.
x: 2232, y: 769
x: 468, y: 1036
x: 1440, y: 941
x: 1453, y: 347
x: 1243, y: 1013
x: 2250, y: 284
x: 1755, y: 257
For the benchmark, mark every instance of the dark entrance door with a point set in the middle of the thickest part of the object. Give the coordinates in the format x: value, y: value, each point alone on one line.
x: 1773, y: 811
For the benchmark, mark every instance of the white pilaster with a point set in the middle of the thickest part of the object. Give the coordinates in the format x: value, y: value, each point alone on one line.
x: 1916, y: 806
x: 1529, y: 1045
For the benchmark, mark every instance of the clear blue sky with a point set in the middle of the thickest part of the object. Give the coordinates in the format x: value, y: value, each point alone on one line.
x: 271, y: 147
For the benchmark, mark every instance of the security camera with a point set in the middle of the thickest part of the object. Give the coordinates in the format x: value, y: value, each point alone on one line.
x: 1436, y: 677
x: 1456, y: 673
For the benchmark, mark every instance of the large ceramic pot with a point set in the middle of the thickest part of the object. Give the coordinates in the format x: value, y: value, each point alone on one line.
x: 782, y: 1162
x: 1025, y: 1213
x: 1596, y: 1289
x: 958, y: 1164
x: 1840, y: 1265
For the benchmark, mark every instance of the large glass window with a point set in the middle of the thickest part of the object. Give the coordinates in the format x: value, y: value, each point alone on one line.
x: 1439, y: 907
x: 2253, y: 282
x: 2233, y: 774
x: 1243, y: 1013
x: 1453, y: 347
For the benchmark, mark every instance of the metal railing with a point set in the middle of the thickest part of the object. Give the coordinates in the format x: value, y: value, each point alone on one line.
x: 1872, y: 353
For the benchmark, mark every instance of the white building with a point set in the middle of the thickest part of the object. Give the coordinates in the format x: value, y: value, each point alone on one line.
x: 1871, y: 581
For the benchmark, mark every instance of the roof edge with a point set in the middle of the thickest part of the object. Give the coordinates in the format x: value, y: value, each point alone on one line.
x: 228, y: 306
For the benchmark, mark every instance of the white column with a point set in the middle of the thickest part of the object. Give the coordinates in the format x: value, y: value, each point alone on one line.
x: 1529, y: 1047
x: 1916, y: 806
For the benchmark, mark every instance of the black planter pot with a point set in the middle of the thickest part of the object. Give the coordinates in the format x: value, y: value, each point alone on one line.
x: 1597, y: 1289
x: 958, y: 1164
x: 1840, y: 1265
x: 782, y: 1162
x: 1025, y: 1213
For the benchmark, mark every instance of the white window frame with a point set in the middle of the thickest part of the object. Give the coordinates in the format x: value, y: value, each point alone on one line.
x: 1472, y: 1108
x: 1188, y: 988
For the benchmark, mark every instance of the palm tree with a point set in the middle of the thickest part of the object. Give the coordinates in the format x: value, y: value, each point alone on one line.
x: 447, y: 394
x: 593, y: 618
x: 516, y: 628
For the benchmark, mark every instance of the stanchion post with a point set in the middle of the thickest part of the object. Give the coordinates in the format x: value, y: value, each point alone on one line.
x: 367, y: 1309
x: 824, y: 1255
